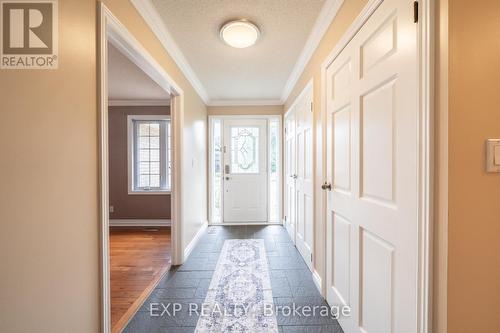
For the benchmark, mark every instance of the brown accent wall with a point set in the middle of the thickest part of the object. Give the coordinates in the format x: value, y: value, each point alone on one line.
x: 130, y: 206
x: 474, y: 195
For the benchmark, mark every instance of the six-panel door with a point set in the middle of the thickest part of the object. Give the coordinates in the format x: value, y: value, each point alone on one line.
x: 372, y: 164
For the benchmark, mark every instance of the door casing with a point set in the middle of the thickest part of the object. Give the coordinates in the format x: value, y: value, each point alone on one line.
x: 112, y: 30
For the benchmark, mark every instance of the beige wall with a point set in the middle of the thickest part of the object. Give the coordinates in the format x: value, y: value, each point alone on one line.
x: 474, y: 195
x: 245, y: 110
x: 130, y: 206
x: 49, y: 244
x: 346, y: 15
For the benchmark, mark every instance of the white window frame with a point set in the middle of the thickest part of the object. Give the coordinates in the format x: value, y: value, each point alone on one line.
x: 131, y: 152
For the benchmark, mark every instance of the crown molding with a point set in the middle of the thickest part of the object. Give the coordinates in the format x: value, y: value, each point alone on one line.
x: 325, y: 18
x: 244, y: 102
x: 139, y: 102
x: 149, y: 13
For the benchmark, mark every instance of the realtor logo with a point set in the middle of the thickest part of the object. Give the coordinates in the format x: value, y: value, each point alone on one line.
x: 29, y: 34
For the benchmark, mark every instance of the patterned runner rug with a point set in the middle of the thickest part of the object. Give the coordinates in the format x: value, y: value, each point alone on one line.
x: 239, y: 298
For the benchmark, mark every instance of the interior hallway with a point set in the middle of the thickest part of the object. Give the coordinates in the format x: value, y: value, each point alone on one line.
x: 291, y: 282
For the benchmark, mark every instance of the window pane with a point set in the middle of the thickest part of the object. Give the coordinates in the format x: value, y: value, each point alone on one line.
x: 143, y: 129
x: 144, y: 168
x: 154, y: 155
x: 155, y: 168
x: 154, y: 141
x: 244, y: 150
x: 144, y: 181
x: 274, y: 168
x: 217, y: 171
x: 144, y: 155
x: 154, y: 181
x: 143, y: 142
x: 154, y: 129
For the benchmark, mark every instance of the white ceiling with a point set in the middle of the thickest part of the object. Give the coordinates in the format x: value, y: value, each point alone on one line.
x: 129, y: 82
x: 256, y: 73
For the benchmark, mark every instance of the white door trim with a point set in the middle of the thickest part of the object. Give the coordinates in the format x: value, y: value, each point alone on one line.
x: 112, y: 30
x: 280, y: 168
x: 426, y: 31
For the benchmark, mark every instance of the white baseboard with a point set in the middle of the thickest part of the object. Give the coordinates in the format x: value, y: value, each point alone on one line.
x: 139, y: 223
x: 317, y: 281
x: 195, y: 240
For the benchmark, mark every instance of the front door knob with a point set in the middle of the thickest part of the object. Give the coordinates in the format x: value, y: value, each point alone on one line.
x: 326, y: 186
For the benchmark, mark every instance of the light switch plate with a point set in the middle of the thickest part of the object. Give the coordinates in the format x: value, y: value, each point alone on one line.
x: 493, y: 155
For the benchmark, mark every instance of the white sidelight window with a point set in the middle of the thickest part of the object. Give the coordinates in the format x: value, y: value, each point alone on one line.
x: 149, y: 154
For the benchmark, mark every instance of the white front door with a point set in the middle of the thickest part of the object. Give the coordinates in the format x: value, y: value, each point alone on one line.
x: 245, y: 170
x: 299, y: 174
x: 372, y: 165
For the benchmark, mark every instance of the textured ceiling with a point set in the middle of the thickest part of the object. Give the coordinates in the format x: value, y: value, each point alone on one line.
x: 129, y: 82
x: 258, y: 72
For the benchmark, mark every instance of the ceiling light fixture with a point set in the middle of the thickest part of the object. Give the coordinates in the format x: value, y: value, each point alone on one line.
x: 239, y: 33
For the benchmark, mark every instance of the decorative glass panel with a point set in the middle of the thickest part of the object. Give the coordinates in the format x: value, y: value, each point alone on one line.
x: 273, y: 170
x: 244, y: 150
x: 217, y: 170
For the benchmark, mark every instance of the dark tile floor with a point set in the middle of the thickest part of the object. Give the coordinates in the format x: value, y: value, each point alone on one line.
x: 291, y: 283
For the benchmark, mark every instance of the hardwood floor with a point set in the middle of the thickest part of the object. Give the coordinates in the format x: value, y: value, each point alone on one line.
x: 139, y: 257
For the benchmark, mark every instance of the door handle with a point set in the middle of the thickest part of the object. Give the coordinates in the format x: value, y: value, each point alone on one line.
x: 326, y: 186
x: 295, y: 176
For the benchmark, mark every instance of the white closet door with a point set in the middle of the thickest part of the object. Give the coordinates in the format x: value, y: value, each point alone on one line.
x: 304, y: 180
x: 299, y: 174
x: 372, y: 158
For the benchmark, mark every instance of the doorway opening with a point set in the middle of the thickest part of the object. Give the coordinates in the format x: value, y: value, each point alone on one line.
x: 140, y: 165
x: 140, y: 139
x: 245, y: 169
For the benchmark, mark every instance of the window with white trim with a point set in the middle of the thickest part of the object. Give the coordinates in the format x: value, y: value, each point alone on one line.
x: 149, y: 154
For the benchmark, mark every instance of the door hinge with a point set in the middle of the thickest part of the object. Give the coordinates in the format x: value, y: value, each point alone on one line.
x: 224, y: 149
x: 312, y: 106
x: 311, y: 257
x: 415, y: 11
x: 285, y: 218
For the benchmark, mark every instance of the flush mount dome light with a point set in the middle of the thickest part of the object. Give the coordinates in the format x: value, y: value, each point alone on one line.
x: 239, y: 33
